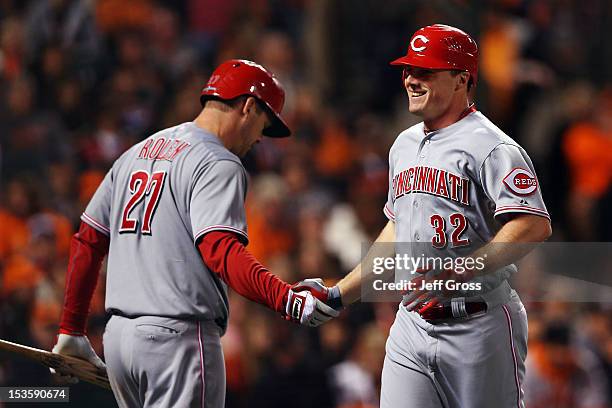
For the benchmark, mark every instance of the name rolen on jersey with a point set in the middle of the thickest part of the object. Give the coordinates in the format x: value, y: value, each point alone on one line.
x: 155, y: 202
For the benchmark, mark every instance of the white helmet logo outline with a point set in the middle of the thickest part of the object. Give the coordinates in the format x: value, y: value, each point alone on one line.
x: 423, y: 39
x: 521, y: 182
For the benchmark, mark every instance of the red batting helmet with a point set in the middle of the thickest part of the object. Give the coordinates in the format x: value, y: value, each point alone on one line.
x: 440, y: 46
x: 236, y: 78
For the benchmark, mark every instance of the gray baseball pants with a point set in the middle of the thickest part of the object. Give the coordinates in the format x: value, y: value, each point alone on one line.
x: 476, y: 362
x: 162, y: 362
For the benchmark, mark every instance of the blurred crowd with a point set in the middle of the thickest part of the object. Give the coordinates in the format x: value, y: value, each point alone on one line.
x: 82, y: 80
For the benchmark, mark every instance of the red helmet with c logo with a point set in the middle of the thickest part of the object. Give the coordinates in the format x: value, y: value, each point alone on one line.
x: 441, y: 46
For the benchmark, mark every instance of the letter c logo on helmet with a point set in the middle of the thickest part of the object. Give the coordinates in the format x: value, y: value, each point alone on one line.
x: 441, y: 46
x: 423, y: 39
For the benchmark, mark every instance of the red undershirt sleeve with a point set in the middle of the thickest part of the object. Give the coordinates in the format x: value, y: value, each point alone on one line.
x: 87, y: 251
x: 226, y: 256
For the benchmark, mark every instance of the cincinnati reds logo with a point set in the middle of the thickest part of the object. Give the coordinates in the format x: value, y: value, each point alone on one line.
x: 423, y: 40
x: 521, y: 182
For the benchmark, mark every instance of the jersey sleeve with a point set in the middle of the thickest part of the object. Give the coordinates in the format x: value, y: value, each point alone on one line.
x: 388, y: 208
x: 217, y: 200
x: 88, y: 248
x: 237, y: 267
x: 97, y: 213
x: 509, y: 180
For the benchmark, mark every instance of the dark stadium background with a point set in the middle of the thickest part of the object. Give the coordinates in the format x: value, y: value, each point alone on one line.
x: 80, y: 81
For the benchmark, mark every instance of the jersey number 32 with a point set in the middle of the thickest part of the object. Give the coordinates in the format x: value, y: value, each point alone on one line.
x: 459, y: 223
x: 143, y: 187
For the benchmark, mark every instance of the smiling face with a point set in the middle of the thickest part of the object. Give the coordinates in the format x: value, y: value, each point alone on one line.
x: 435, y: 95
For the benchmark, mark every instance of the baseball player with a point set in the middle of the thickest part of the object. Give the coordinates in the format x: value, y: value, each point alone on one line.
x: 461, y: 187
x: 170, y: 214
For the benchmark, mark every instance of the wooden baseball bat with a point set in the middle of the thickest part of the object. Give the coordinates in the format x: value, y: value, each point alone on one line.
x: 65, y: 365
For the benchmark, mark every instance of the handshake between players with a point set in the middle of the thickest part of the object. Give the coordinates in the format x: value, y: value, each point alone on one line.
x: 311, y: 303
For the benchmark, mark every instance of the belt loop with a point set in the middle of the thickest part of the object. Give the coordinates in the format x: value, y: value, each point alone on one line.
x: 458, y: 307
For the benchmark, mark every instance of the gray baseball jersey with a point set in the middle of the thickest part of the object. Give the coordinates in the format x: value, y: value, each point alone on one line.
x: 450, y: 190
x: 158, y: 198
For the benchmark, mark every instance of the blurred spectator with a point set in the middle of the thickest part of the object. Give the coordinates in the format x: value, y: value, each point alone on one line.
x: 210, y: 20
x: 548, y: 118
x: 105, y: 144
x: 595, y: 335
x: 68, y: 97
x: 560, y: 375
x: 356, y: 380
x: 11, y: 48
x: 82, y: 80
x: 334, y: 154
x: 171, y: 53
x: 276, y: 52
x: 49, y: 71
x: 49, y: 236
x: 32, y: 138
x: 285, y: 375
x: 344, y: 235
x: 87, y: 184
x: 269, y: 232
x: 19, y: 201
x: 62, y: 193
x: 113, y: 15
x: 69, y: 23
x: 182, y: 109
x: 43, y: 324
x: 499, y: 58
x: 588, y: 150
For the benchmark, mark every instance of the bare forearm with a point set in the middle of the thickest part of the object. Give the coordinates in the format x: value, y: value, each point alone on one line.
x: 350, y: 285
x: 515, y: 240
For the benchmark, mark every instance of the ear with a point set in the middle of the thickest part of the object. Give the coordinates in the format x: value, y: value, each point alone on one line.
x: 249, y: 105
x: 462, y: 80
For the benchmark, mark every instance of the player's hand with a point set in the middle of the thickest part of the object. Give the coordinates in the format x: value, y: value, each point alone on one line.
x: 330, y: 296
x: 436, y: 279
x: 304, y: 307
x: 75, y: 346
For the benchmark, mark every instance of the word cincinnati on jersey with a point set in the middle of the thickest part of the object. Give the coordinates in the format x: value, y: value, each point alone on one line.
x: 424, y: 179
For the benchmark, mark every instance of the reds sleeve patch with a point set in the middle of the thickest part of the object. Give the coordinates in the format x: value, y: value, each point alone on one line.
x: 521, y: 182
